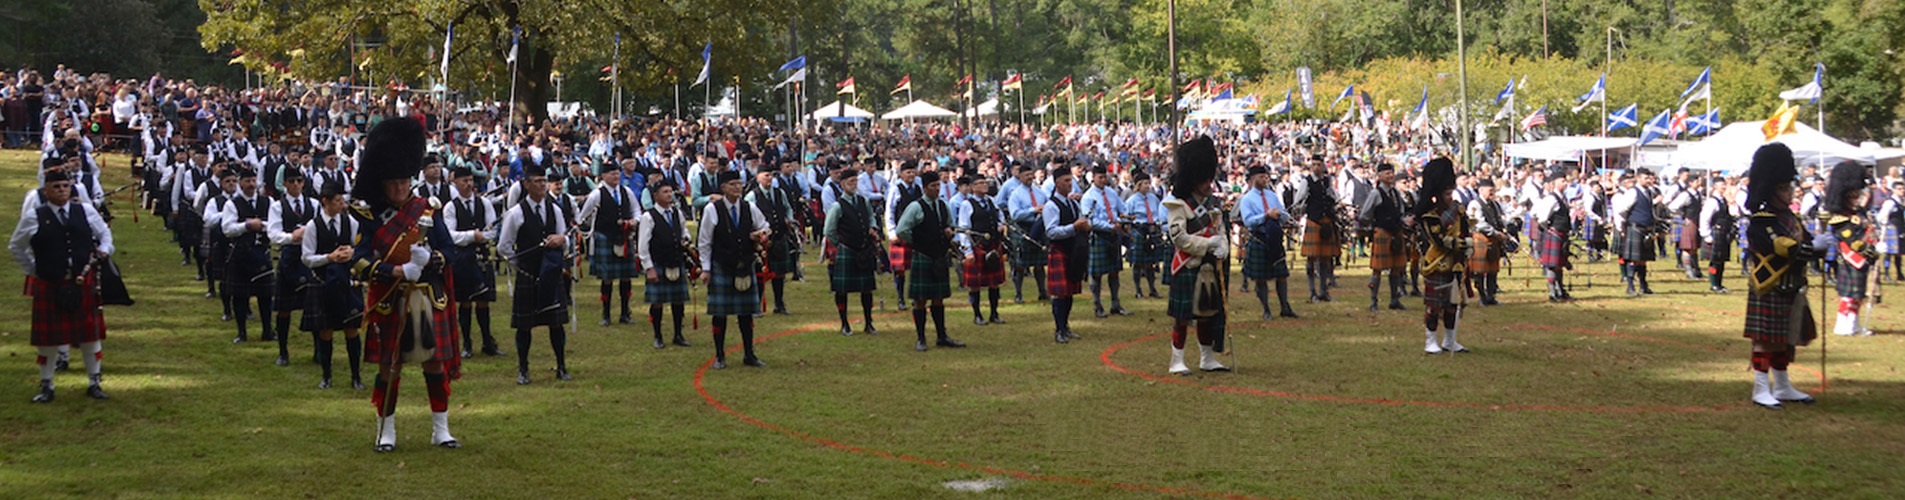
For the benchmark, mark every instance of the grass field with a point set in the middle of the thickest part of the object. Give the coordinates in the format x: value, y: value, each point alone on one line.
x: 1604, y: 397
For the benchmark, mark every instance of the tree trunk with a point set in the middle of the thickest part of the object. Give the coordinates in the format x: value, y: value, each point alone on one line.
x: 532, y: 83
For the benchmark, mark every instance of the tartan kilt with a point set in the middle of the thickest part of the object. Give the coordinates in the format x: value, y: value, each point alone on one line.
x: 292, y: 280
x: 928, y: 278
x: 662, y: 291
x: 1689, y: 238
x: 1026, y: 252
x: 217, y: 254
x: 982, y: 272
x: 1619, y: 243
x: 1721, y: 250
x: 1148, y: 247
x: 783, y: 256
x: 1316, y: 245
x: 897, y: 258
x: 1638, y: 246
x: 1596, y: 236
x: 56, y: 326
x: 1179, y: 303
x: 853, y: 271
x: 1851, y: 281
x: 1888, y: 240
x: 249, y: 281
x: 1484, y: 257
x: 1386, y: 252
x: 1438, y: 290
x: 724, y: 300
x: 332, y: 307
x: 1058, y: 282
x: 1776, y: 318
x: 1106, y: 255
x: 603, y: 264
x: 475, y: 280
x: 378, y: 325
x: 1554, y: 249
x: 190, y: 228
x: 1265, y: 260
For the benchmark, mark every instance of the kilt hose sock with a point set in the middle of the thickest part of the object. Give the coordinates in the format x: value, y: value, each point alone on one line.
x: 482, y: 322
x: 438, y: 387
x: 746, y: 324
x: 839, y: 304
x: 463, y: 317
x: 628, y: 290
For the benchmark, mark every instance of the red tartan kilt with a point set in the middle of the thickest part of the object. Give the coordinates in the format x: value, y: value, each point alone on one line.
x: 981, y: 272
x: 53, y: 326
x: 1771, y: 318
x: 897, y: 258
x: 1553, y: 250
x: 378, y: 324
x: 1386, y: 252
x: 1315, y: 245
x: 1483, y: 258
x: 1690, y: 238
x: 1057, y: 281
x: 828, y: 250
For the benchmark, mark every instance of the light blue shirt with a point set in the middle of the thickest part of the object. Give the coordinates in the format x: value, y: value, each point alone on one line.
x: 1101, y: 206
x: 1053, y: 228
x: 1144, y: 206
x: 1004, y: 198
x: 1255, y: 205
x: 1022, y: 204
x: 873, y: 187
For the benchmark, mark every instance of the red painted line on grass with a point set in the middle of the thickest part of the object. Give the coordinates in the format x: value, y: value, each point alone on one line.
x: 1105, y: 358
x: 701, y: 387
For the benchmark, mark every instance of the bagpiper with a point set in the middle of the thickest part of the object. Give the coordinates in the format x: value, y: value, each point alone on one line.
x: 982, y: 235
x: 611, y: 209
x: 1322, y: 235
x: 1067, y: 254
x: 852, y: 249
x: 285, y: 228
x: 1719, y: 222
x: 927, y: 228
x: 905, y: 192
x: 1264, y: 260
x: 1446, y: 238
x: 1382, y: 212
x: 472, y: 222
x: 1552, y: 223
x: 1636, y: 208
x: 1197, y: 232
x: 1101, y: 205
x: 782, y: 258
x: 534, y: 239
x: 248, y: 272
x: 730, y: 237
x: 1025, y: 205
x: 1778, y: 248
x: 336, y: 301
x: 1856, y: 238
x: 57, y: 243
x: 1491, y: 238
x: 1148, y: 249
x: 665, y: 252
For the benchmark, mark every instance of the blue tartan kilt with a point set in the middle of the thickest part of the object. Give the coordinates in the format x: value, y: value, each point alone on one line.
x: 1888, y: 240
x: 1148, y: 247
x: 190, y: 228
x: 291, y: 282
x: 783, y: 256
x: 724, y: 300
x: 662, y: 291
x: 1638, y: 246
x: 250, y: 275
x: 542, y: 293
x: 1264, y: 260
x: 475, y: 281
x: 604, y: 264
x: 1595, y: 235
x: 1105, y: 254
x: 1026, y: 252
x: 928, y: 277
x: 853, y: 271
x: 1850, y: 281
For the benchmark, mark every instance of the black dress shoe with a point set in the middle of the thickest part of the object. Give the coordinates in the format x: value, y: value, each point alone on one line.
x: 324, y: 383
x: 627, y: 319
x: 720, y: 364
x: 1073, y: 335
x: 62, y: 365
x: 659, y: 344
x: 870, y: 330
x: 1267, y: 316
x: 846, y: 331
x: 604, y: 322
x: 385, y: 448
x: 682, y: 342
x: 1120, y: 310
x: 1155, y: 295
x: 563, y: 374
x: 1288, y: 313
x: 949, y: 342
x: 1098, y: 311
x: 466, y: 354
x: 781, y: 311
x: 283, y: 362
x: 1397, y: 306
x: 979, y: 320
x: 226, y: 317
x: 1059, y: 337
x: 45, y: 395
x: 93, y: 391
x: 357, y: 384
x: 522, y: 377
x: 239, y: 339
x: 754, y: 362
x: 493, y: 351
x: 996, y: 320
x: 919, y: 346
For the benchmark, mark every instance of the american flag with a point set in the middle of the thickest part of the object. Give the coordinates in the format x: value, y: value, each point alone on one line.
x: 1539, y: 118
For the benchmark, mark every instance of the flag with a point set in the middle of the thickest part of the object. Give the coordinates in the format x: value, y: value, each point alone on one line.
x: 1507, y: 92
x: 906, y: 85
x: 1280, y: 108
x: 1703, y: 80
x: 1347, y: 91
x: 1704, y: 92
x: 707, y: 62
x: 1421, y: 113
x: 362, y: 65
x: 1222, y: 88
x: 1593, y: 95
x: 1369, y: 105
x: 963, y: 81
x: 1151, y: 95
x: 1507, y: 111
x: 515, y: 40
x: 846, y: 87
x: 1811, y: 91
x: 799, y: 75
x: 1704, y: 124
x: 1782, y: 122
x: 1132, y: 83
x: 1305, y: 87
x: 1100, y: 96
x: 1657, y: 127
x: 1014, y: 82
x: 1064, y: 84
x: 448, y: 34
x: 1539, y: 118
x: 1193, y: 87
x: 1222, y: 95
x: 1624, y: 118
x: 797, y: 63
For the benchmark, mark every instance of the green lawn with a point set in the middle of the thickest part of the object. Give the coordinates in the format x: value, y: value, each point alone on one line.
x: 1605, y: 397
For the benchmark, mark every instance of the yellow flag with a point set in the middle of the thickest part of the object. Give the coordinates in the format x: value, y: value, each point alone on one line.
x: 236, y: 60
x: 1782, y: 122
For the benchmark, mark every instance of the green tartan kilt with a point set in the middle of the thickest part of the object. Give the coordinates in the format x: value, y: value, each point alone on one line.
x: 1105, y: 255
x: 1263, y: 261
x: 1638, y: 246
x: 662, y: 291
x: 852, y: 272
x: 1025, y: 252
x: 724, y: 300
x: 1179, y: 303
x: 1148, y: 247
x: 1850, y: 281
x: 927, y: 277
x: 783, y: 257
x: 604, y: 264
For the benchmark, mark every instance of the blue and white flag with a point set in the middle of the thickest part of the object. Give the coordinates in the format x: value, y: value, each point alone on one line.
x: 1280, y: 108
x: 1624, y: 118
x: 1304, y: 87
x: 1593, y: 95
x: 515, y: 40
x: 1421, y: 113
x: 707, y: 61
x: 1705, y: 78
x: 1811, y: 91
x: 448, y: 34
x: 1347, y: 91
x: 1661, y: 125
x: 797, y: 63
x: 1704, y: 124
x: 1506, y: 93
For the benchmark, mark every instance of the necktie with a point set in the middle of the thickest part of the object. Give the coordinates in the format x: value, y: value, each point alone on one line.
x: 62, y: 216
x: 734, y: 211
x: 1265, y: 200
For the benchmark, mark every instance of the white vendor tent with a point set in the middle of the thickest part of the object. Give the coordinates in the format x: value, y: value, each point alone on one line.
x: 918, y: 109
x: 1572, y: 148
x: 988, y: 108
x: 838, y: 110
x: 1731, y: 149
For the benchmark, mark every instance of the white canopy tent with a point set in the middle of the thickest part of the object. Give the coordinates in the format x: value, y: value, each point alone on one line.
x: 1227, y: 110
x: 1571, y: 148
x: 1731, y: 149
x: 839, y: 110
x: 918, y: 109
x: 988, y: 108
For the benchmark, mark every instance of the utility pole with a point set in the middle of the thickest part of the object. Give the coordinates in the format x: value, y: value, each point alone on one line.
x: 1171, y: 35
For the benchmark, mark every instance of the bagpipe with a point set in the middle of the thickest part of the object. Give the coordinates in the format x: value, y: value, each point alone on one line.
x: 104, y: 203
x: 993, y: 243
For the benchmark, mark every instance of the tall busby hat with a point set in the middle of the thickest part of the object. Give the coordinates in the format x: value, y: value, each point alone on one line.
x: 1196, y: 166
x: 392, y: 150
x: 1772, y: 167
x: 1438, y: 176
x: 1847, y: 178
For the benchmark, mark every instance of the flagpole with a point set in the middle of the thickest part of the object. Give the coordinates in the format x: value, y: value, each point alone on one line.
x: 1461, y: 54
x: 512, y: 95
x: 677, y: 97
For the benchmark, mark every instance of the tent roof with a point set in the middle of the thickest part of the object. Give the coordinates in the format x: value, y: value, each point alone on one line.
x: 1567, y: 147
x: 834, y: 110
x: 1731, y: 149
x: 988, y: 108
x: 918, y: 109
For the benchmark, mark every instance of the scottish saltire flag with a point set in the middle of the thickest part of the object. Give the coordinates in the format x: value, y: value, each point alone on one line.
x: 1596, y: 94
x: 515, y: 40
x: 1704, y: 124
x: 1811, y: 91
x: 1661, y: 125
x: 1280, y: 108
x: 450, y: 34
x: 707, y: 58
x: 1347, y: 91
x: 1506, y: 93
x: 1701, y: 81
x: 797, y: 63
x: 1624, y: 118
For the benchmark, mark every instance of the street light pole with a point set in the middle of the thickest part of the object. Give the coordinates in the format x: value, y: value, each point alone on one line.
x: 1461, y: 70
x: 1171, y: 35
